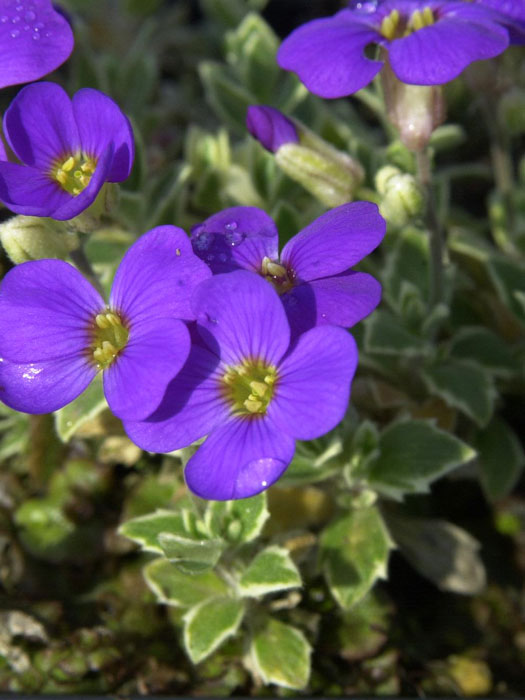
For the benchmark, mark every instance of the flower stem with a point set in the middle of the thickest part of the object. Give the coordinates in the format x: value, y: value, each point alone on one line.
x: 78, y: 256
x: 434, y: 229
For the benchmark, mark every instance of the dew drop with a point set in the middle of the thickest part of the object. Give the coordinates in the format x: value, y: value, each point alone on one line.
x: 234, y: 237
x: 15, y: 33
x: 202, y: 240
x: 323, y: 315
x: 19, y: 8
x: 4, y: 19
x: 36, y: 37
x: 26, y: 27
x: 16, y: 19
x: 222, y: 257
x: 210, y: 257
x: 39, y: 26
x: 47, y: 35
x: 29, y: 16
x: 231, y: 226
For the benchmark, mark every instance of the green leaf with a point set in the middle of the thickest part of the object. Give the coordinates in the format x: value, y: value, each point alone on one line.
x: 442, y: 552
x: 237, y: 521
x: 83, y: 409
x: 146, y: 529
x: 501, y: 458
x: 385, y: 335
x: 480, y: 345
x: 464, y: 386
x: 280, y: 654
x: 315, y: 460
x: 173, y: 587
x: 508, y: 278
x: 353, y: 554
x: 413, y: 454
x: 189, y: 554
x: 409, y: 262
x: 229, y: 100
x: 209, y: 624
x: 271, y: 570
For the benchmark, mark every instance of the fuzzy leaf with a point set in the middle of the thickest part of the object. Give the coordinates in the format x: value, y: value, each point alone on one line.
x: 271, y: 570
x: 501, y: 458
x: 173, y: 587
x: 440, y: 551
x: 84, y: 408
x: 237, y: 521
x: 413, y: 454
x: 229, y: 99
x: 353, y: 554
x: 464, y: 386
x: 408, y: 262
x: 385, y: 335
x: 189, y: 554
x: 484, y: 347
x: 508, y: 278
x: 280, y: 654
x: 209, y: 624
x: 146, y: 529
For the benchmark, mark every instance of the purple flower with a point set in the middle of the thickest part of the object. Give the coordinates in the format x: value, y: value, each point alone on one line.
x: 56, y: 331
x: 513, y: 17
x: 34, y: 40
x: 311, y: 275
x: 247, y: 390
x: 69, y: 149
x: 428, y: 42
x: 270, y: 127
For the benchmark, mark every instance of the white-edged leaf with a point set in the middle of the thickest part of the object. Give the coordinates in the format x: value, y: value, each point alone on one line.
x: 385, y: 335
x: 173, y: 587
x: 237, y: 521
x: 208, y: 624
x: 280, y: 654
x: 271, y: 570
x: 194, y: 555
x: 87, y: 406
x: 413, y: 454
x: 146, y: 529
x: 501, y: 458
x: 353, y: 552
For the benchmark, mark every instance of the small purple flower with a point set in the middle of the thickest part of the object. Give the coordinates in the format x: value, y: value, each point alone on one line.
x: 428, y: 42
x: 311, y: 275
x: 69, y: 149
x: 56, y: 331
x: 270, y: 127
x: 34, y: 40
x: 247, y: 390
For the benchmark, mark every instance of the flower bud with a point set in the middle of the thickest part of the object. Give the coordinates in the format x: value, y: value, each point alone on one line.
x: 415, y: 110
x: 270, y: 127
x: 33, y: 238
x: 402, y: 198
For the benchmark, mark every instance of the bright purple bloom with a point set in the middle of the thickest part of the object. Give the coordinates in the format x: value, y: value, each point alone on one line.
x: 34, y: 40
x: 270, y: 127
x: 56, y: 331
x: 513, y: 17
x: 247, y: 390
x: 69, y: 149
x: 311, y: 275
x: 428, y: 42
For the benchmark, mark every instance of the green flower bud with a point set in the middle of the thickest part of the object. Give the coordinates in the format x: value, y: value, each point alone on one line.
x: 402, y: 198
x: 34, y: 237
x: 329, y: 174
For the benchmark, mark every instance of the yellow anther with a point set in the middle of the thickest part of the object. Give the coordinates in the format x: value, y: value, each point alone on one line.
x: 428, y: 16
x: 270, y: 379
x: 102, y: 320
x: 61, y: 176
x: 258, y: 388
x: 253, y: 406
x: 88, y: 167
x: 76, y: 190
x: 389, y: 25
x: 113, y: 319
x: 277, y: 274
x: 110, y: 337
x: 69, y: 164
x: 417, y: 21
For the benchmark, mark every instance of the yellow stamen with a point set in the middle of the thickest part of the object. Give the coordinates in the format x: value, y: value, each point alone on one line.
x: 389, y: 25
x: 110, y: 336
x: 249, y: 387
x: 74, y: 173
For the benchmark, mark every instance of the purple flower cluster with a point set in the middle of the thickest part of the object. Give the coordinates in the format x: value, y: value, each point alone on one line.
x: 214, y: 336
x: 425, y: 42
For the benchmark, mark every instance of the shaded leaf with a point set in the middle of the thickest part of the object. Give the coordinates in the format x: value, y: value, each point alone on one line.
x: 209, y: 624
x: 84, y: 408
x: 500, y: 458
x: 280, y: 654
x: 173, y: 587
x: 271, y: 570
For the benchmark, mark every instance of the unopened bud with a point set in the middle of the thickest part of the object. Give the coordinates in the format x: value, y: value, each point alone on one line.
x: 402, y: 198
x: 415, y: 110
x: 270, y: 127
x: 27, y: 238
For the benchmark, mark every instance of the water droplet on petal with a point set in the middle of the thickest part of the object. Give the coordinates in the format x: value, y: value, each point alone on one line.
x: 36, y: 37
x: 323, y: 315
x: 210, y: 257
x: 39, y: 26
x: 222, y: 257
x: 19, y: 8
x: 16, y: 19
x: 4, y: 19
x: 26, y: 27
x: 15, y: 33
x: 202, y: 240
x: 47, y: 35
x: 235, y: 238
x: 231, y: 226
x: 29, y: 16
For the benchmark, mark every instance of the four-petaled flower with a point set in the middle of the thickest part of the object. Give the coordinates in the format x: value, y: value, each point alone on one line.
x: 69, y: 149
x: 311, y: 275
x: 34, y: 39
x: 56, y: 331
x: 245, y: 387
x: 426, y: 42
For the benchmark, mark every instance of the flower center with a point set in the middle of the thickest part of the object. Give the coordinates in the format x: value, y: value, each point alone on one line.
x: 396, y: 26
x: 249, y: 387
x: 74, y: 173
x: 281, y: 278
x: 110, y: 337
